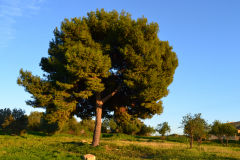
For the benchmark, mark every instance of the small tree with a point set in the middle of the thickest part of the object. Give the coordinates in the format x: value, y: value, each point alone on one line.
x: 217, y: 130
x: 194, y: 126
x: 202, y: 131
x: 163, y: 128
x: 222, y: 130
x: 228, y: 130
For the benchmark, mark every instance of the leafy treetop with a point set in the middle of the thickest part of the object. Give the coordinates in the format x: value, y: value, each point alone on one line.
x: 98, y: 55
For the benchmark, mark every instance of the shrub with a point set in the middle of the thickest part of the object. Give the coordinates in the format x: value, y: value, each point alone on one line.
x: 34, y: 121
x: 87, y: 125
x: 109, y: 125
x: 4, y: 113
x: 14, y: 121
x: 105, y: 126
x: 84, y: 127
x: 72, y: 127
x: 48, y: 127
x: 146, y: 130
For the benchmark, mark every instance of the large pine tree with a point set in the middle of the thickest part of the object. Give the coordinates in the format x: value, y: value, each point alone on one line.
x: 100, y: 64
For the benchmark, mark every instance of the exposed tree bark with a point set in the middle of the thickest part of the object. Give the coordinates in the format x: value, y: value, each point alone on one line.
x: 191, y: 141
x: 111, y: 94
x: 221, y: 139
x: 98, y: 126
x: 199, y: 141
x: 98, y: 121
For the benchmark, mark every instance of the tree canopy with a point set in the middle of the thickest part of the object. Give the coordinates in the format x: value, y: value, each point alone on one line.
x: 13, y: 121
x: 163, y: 128
x: 217, y: 130
x: 99, y: 64
x: 222, y: 130
x: 194, y: 127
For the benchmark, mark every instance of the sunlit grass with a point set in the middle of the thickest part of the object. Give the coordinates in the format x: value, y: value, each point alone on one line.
x: 118, y: 147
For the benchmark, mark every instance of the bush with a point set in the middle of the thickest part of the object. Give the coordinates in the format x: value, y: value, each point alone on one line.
x: 87, y: 125
x: 34, y: 121
x: 47, y: 127
x: 127, y: 124
x: 15, y: 122
x: 109, y: 125
x: 72, y: 127
x: 105, y: 126
x: 131, y: 128
x: 146, y: 130
x: 84, y: 127
x: 112, y: 125
x: 4, y: 113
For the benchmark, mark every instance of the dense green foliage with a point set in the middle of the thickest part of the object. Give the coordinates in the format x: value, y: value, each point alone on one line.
x: 229, y: 130
x: 216, y: 129
x: 128, y: 126
x: 13, y: 121
x: 92, y: 57
x: 4, y: 113
x: 84, y: 127
x: 195, y: 127
x: 223, y: 130
x: 109, y: 125
x: 35, y: 121
x: 163, y: 128
x: 146, y: 130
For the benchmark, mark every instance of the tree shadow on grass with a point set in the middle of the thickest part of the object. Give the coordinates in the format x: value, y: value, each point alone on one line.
x: 148, y: 137
x: 75, y: 143
x: 1, y: 132
x: 81, y: 148
x: 41, y: 134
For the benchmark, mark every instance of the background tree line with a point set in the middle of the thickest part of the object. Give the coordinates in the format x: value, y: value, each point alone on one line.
x: 17, y: 122
x: 195, y: 127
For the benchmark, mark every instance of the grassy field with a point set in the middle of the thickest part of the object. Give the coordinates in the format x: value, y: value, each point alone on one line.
x: 119, y: 147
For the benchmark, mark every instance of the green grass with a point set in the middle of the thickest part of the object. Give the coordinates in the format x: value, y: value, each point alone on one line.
x: 113, y: 147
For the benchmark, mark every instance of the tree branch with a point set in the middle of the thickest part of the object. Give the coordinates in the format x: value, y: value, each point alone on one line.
x: 111, y: 94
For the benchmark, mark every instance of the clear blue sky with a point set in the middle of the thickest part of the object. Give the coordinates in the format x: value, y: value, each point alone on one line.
x: 204, y: 34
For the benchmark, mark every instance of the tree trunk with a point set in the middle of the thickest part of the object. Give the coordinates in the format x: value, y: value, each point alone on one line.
x: 227, y: 141
x: 191, y: 141
x: 199, y: 141
x: 222, y: 140
x: 98, y: 123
